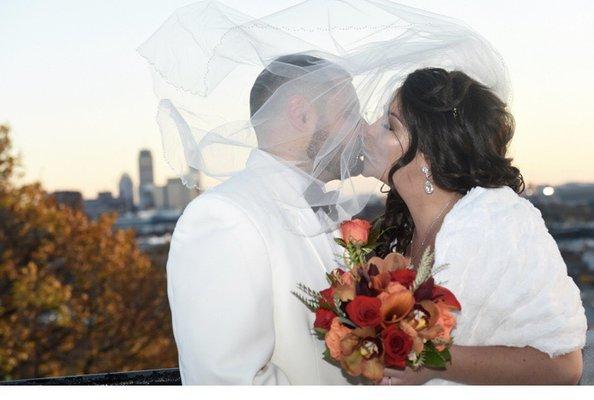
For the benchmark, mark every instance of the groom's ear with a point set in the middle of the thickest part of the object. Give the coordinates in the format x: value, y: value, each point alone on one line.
x: 299, y: 112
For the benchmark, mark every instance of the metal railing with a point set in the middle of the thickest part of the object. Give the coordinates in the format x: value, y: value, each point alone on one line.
x: 170, y: 376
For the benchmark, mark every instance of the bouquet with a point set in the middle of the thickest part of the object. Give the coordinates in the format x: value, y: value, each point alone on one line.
x: 380, y: 312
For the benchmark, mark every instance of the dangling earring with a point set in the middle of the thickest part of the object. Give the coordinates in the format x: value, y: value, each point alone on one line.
x: 428, y: 185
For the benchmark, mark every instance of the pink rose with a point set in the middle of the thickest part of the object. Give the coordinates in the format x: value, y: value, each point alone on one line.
x: 334, y: 336
x: 355, y: 231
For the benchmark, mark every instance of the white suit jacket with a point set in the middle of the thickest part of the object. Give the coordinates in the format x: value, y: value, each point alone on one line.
x: 231, y: 269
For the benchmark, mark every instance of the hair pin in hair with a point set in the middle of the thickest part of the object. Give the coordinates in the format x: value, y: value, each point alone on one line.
x: 455, y: 112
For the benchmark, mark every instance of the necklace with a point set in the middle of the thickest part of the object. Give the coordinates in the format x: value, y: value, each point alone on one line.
x: 428, y: 230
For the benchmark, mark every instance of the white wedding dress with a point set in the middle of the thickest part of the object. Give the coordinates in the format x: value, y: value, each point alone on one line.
x: 507, y: 272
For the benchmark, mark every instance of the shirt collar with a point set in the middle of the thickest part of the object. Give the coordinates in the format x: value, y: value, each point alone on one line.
x: 278, y: 170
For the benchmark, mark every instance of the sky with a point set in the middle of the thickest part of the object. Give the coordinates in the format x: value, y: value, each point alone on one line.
x: 79, y: 98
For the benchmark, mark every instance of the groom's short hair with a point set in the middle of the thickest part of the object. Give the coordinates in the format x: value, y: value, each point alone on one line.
x: 268, y: 81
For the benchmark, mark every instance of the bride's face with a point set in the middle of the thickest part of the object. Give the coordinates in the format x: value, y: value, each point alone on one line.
x: 385, y: 143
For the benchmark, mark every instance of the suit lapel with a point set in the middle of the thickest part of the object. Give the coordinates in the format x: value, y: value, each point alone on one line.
x: 288, y: 187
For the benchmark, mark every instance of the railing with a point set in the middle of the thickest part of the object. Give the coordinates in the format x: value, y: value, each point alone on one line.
x: 171, y: 376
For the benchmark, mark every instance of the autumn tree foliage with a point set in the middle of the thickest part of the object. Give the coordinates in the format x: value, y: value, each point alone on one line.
x: 76, y: 296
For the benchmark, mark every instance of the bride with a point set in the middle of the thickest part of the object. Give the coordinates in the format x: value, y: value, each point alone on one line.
x: 452, y: 187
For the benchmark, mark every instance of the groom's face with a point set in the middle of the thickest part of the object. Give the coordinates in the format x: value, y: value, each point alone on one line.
x: 338, y: 123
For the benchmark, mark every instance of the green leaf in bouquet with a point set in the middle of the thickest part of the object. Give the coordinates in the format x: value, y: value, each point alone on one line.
x: 337, y: 309
x: 327, y: 357
x: 340, y: 242
x: 312, y: 305
x: 347, y: 321
x: 376, y: 225
x: 418, y: 363
x: 320, y: 333
x: 314, y: 294
x: 433, y: 358
x: 375, y: 233
x: 369, y: 248
x: 313, y: 302
x: 447, y: 356
x: 340, y: 313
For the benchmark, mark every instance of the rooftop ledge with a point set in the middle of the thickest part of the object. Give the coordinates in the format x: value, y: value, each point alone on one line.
x: 170, y: 376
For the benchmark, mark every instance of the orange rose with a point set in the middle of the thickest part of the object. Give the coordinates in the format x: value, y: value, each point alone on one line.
x: 447, y: 321
x: 334, y: 336
x: 355, y: 231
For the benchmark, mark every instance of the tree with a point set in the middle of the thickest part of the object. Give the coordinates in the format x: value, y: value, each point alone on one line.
x: 76, y: 296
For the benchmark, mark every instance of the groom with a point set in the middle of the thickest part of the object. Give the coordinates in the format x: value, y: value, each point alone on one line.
x: 236, y: 255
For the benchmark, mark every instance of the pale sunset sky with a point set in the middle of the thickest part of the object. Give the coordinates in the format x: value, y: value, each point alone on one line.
x: 80, y: 103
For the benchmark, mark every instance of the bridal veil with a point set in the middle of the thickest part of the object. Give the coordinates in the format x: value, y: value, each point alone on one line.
x: 229, y: 84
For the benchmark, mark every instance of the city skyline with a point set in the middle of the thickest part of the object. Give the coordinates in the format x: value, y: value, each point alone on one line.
x: 80, y: 104
x: 135, y: 205
x: 130, y: 190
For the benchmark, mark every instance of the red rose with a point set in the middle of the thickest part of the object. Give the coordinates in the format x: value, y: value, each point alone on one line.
x: 365, y: 311
x: 397, y: 346
x: 355, y: 231
x: 404, y: 276
x: 324, y: 319
x: 328, y: 296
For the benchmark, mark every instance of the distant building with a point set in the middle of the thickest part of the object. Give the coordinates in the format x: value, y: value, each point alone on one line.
x: 105, y: 202
x: 173, y: 196
x: 160, y: 197
x: 126, y: 193
x: 145, y: 164
x: 70, y: 199
x: 178, y: 195
x: 147, y: 180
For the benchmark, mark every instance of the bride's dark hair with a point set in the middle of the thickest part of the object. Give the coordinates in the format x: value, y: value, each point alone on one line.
x: 463, y: 129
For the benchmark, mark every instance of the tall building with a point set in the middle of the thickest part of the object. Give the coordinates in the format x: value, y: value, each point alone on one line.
x: 146, y: 187
x: 126, y: 193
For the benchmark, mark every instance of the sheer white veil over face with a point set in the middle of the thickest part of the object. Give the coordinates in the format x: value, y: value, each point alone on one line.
x: 301, y: 84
